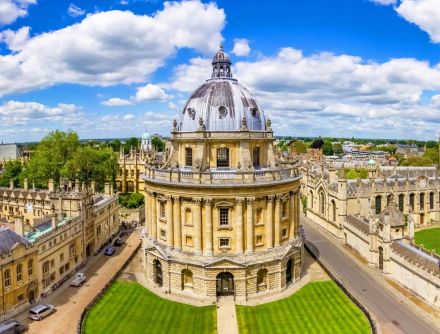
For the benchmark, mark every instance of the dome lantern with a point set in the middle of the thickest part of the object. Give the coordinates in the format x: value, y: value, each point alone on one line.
x: 221, y: 65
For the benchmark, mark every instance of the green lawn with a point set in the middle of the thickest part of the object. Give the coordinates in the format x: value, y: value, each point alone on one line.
x: 129, y: 308
x: 429, y: 239
x: 319, y: 307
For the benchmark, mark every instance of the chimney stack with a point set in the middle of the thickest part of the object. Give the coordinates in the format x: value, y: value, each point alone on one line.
x: 19, y: 225
x: 54, y: 221
x: 51, y: 186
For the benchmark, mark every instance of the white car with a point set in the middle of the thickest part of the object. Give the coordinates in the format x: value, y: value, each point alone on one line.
x: 79, y: 279
x: 40, y: 311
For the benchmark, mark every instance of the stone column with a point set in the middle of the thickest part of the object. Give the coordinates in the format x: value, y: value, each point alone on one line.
x: 298, y: 207
x: 208, y: 223
x: 269, y: 221
x: 249, y: 225
x: 154, y: 216
x: 177, y: 223
x: 292, y: 213
x: 239, y: 224
x: 197, y: 226
x: 148, y: 213
x: 170, y: 226
x: 277, y: 221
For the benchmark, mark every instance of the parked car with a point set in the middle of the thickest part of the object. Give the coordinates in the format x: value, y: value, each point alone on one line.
x: 109, y: 251
x: 118, y: 242
x: 40, y: 311
x: 122, y: 234
x: 79, y: 279
x: 12, y: 327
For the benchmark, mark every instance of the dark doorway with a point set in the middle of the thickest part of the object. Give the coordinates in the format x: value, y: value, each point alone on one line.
x: 422, y: 218
x: 158, y: 279
x: 31, y: 296
x: 289, y: 268
x: 380, y: 258
x: 225, y: 284
x: 89, y: 250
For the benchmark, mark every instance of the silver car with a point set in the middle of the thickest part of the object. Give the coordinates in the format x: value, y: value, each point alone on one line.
x: 40, y: 311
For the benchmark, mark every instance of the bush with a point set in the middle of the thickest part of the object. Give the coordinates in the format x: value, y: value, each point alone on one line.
x: 131, y: 201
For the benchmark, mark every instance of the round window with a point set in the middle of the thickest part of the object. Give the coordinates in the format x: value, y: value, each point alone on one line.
x: 222, y: 111
x: 254, y: 112
x: 191, y: 112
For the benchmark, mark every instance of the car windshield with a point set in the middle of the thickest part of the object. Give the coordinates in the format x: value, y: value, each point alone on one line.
x: 33, y: 312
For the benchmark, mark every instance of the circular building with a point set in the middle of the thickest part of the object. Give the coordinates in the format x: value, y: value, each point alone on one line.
x: 222, y: 211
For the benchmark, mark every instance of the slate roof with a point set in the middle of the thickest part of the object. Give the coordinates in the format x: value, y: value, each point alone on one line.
x: 417, y: 257
x: 8, y: 239
x: 359, y: 223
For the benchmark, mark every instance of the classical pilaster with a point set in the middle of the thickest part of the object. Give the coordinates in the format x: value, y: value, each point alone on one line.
x: 197, y: 225
x: 297, y: 212
x: 277, y: 222
x: 292, y: 218
x: 208, y: 224
x: 239, y: 223
x: 269, y: 221
x: 147, y: 213
x: 177, y: 223
x: 170, y: 225
x: 154, y: 216
x: 249, y: 225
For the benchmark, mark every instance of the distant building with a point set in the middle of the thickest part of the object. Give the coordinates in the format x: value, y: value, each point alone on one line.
x: 9, y: 152
x: 409, y: 150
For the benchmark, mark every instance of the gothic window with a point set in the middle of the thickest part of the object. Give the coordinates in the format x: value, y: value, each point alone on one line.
x: 223, y: 157
x: 256, y: 157
x: 431, y: 201
x: 322, y: 202
x: 224, y: 216
x: 378, y: 204
x: 411, y: 201
x: 401, y: 201
x: 188, y: 156
x: 422, y: 201
x: 333, y: 210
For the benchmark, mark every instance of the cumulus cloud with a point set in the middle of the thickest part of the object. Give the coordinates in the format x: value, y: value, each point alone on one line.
x: 11, y: 10
x: 241, y: 47
x: 108, y: 48
x: 151, y: 92
x: 324, y: 93
x: 384, y: 2
x: 75, y: 11
x: 116, y: 102
x: 15, y: 40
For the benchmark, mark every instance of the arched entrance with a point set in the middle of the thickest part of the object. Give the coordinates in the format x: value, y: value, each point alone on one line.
x: 289, y: 268
x: 158, y: 279
x: 380, y: 258
x: 225, y: 284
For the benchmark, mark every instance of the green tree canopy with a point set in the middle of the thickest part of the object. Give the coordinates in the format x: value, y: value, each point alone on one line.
x: 327, y: 148
x: 300, y: 146
x: 11, y: 171
x: 337, y: 149
x: 132, y: 142
x: 158, y: 144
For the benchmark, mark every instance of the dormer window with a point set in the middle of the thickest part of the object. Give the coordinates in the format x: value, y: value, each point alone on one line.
x: 254, y: 112
x: 223, y: 111
x: 191, y: 112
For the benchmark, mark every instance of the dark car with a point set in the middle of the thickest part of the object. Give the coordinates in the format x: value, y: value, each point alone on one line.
x: 122, y: 234
x: 12, y: 327
x: 118, y: 242
x: 109, y: 251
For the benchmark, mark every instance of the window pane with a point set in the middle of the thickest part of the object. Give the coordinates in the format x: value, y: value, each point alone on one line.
x: 224, y: 216
x: 223, y: 157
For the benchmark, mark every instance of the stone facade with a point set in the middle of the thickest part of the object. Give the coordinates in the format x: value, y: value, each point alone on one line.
x: 222, y: 213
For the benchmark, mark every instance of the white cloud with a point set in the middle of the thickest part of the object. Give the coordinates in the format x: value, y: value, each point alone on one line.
x: 384, y: 2
x: 128, y: 117
x: 11, y: 10
x: 75, y: 11
x: 241, y: 47
x: 112, y: 47
x: 116, y: 102
x: 151, y: 92
x: 15, y: 40
x: 188, y: 77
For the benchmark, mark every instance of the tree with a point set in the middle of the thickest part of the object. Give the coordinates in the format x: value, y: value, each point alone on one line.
x: 158, y: 144
x: 131, y: 201
x: 337, y: 149
x: 431, y: 144
x: 317, y: 143
x: 132, y: 142
x: 115, y: 144
x: 416, y: 161
x: 11, y: 171
x: 299, y: 146
x: 327, y: 148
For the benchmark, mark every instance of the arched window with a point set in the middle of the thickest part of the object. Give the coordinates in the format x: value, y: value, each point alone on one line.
x: 378, y: 204
x: 222, y: 157
x: 322, y: 202
x: 188, y: 156
x: 333, y: 210
x: 187, y: 279
x: 262, y: 280
x: 158, y: 279
x: 258, y: 214
x: 311, y: 200
x: 422, y: 201
x: 411, y: 201
x: 431, y: 201
x: 284, y: 209
x: 256, y: 157
x: 401, y: 201
x: 188, y: 216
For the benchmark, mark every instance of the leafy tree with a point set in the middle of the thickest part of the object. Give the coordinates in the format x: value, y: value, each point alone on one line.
x: 356, y: 173
x: 131, y: 201
x: 318, y: 143
x: 327, y: 148
x: 432, y: 154
x: 416, y: 161
x: 300, y: 146
x: 431, y: 144
x: 11, y: 171
x: 115, y: 145
x: 132, y: 142
x: 337, y: 149
x: 158, y: 144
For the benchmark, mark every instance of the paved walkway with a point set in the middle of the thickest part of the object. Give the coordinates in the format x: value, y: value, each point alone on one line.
x: 226, y: 316
x: 394, y: 312
x: 71, y: 302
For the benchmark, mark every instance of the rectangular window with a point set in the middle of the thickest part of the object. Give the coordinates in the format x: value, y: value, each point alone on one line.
x: 431, y: 201
x: 222, y: 157
x: 224, y: 242
x: 258, y: 240
x: 284, y: 209
x: 7, y: 278
x: 189, y: 240
x: 284, y: 232
x: 20, y: 298
x: 411, y: 201
x: 188, y: 156
x: 19, y: 272
x: 224, y: 216
x: 61, y: 257
x: 163, y: 234
x: 72, y: 250
x: 45, y: 267
x: 256, y: 157
x: 162, y: 210
x: 52, y: 263
x: 30, y: 267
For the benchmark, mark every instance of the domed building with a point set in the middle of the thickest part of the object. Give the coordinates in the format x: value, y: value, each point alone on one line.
x: 222, y: 211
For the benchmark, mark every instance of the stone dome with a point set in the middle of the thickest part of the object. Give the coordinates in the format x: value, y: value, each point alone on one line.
x: 221, y: 103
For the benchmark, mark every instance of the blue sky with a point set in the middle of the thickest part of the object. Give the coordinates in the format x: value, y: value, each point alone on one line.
x: 104, y: 68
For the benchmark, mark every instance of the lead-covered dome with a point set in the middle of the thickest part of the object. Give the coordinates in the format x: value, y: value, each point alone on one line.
x: 221, y: 103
